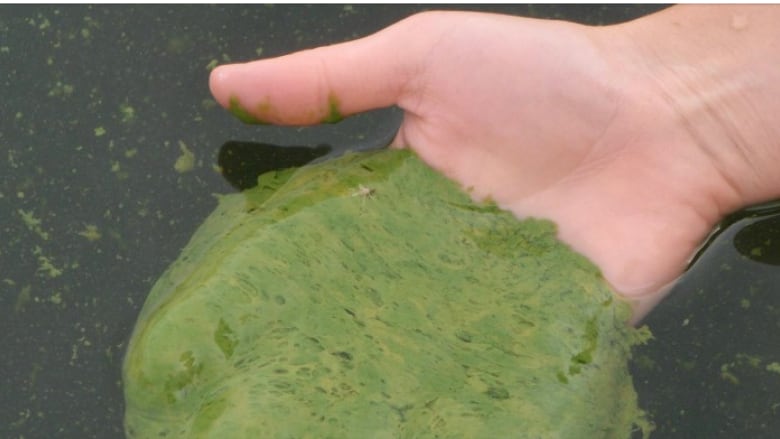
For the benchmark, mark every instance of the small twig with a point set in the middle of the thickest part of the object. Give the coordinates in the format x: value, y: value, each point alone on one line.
x: 363, y: 191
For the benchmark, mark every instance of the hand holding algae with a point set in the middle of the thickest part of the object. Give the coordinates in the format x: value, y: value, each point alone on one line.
x: 299, y: 310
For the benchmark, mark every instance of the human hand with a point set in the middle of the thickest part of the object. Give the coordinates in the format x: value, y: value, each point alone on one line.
x: 549, y: 119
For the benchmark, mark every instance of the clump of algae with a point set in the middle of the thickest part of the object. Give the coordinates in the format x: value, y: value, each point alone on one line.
x: 305, y: 308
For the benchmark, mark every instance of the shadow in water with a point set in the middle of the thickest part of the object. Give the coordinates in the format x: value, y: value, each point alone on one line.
x: 242, y: 162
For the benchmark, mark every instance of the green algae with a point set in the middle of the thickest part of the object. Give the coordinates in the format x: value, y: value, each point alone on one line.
x: 334, y: 112
x: 241, y: 113
x: 302, y: 308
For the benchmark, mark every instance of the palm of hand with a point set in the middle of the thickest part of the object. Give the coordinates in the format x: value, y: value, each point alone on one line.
x: 533, y: 116
x: 530, y: 113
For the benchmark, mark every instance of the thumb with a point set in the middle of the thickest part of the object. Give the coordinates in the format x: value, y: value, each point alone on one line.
x: 322, y: 84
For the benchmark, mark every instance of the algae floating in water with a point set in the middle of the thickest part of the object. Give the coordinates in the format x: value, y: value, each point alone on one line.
x: 369, y: 297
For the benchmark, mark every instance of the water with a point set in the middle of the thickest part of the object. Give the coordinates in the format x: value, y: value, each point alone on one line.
x: 712, y: 370
x: 97, y: 103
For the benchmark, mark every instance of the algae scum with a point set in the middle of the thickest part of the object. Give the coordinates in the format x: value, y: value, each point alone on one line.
x: 369, y: 297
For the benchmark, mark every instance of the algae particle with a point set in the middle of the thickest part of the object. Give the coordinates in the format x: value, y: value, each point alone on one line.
x: 61, y: 89
x: 23, y: 298
x: 726, y: 374
x: 127, y: 112
x: 186, y: 161
x: 90, y: 232
x: 45, y: 266
x: 56, y: 298
x: 32, y: 223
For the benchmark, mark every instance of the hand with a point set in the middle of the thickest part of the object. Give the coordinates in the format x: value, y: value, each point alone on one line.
x: 549, y: 119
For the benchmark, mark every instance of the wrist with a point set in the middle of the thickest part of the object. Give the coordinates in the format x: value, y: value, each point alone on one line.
x: 713, y: 71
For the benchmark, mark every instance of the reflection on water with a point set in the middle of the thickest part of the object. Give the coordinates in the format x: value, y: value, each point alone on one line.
x: 759, y: 237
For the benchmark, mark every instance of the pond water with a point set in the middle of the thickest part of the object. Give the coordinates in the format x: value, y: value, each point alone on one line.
x: 109, y: 143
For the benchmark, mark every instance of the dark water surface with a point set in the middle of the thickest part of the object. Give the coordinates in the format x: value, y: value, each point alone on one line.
x: 109, y: 140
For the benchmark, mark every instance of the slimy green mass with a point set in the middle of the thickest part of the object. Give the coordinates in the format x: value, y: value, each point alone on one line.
x: 370, y: 297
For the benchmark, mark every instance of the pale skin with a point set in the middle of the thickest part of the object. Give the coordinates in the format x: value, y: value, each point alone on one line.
x: 636, y: 139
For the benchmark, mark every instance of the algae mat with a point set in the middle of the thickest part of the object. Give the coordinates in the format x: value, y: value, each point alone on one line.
x: 369, y: 297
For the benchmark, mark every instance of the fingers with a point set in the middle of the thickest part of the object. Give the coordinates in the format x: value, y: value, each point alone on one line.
x: 323, y: 84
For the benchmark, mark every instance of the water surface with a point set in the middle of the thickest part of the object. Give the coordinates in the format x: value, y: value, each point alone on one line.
x: 108, y: 144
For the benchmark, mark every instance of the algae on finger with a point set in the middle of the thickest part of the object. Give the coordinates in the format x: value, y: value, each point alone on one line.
x: 301, y: 310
